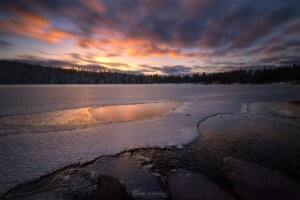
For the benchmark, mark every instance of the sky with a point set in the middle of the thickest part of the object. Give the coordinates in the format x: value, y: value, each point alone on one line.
x: 151, y: 36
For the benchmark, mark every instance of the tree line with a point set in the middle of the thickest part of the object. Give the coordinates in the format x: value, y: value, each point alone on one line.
x: 14, y: 72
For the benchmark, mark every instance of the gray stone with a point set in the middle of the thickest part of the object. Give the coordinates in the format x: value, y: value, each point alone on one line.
x: 254, y: 182
x: 73, y: 184
x: 185, y: 185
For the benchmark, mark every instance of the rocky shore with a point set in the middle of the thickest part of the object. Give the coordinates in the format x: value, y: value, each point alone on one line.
x: 249, y: 156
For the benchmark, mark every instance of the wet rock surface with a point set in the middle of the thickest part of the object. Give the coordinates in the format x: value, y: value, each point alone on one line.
x: 185, y: 185
x: 139, y: 181
x: 264, y: 135
x: 111, y: 177
x: 253, y: 182
x: 74, y: 184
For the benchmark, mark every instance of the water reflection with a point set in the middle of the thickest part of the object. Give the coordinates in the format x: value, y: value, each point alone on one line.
x: 132, y: 112
x: 88, y: 115
x: 55, y: 118
x: 268, y: 135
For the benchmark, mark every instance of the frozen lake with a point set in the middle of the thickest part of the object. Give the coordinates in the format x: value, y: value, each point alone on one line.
x: 46, y: 127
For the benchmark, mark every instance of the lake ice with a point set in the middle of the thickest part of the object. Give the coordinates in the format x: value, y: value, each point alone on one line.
x: 28, y: 151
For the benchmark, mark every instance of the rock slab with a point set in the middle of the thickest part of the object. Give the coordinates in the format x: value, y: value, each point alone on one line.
x: 253, y: 182
x: 185, y: 185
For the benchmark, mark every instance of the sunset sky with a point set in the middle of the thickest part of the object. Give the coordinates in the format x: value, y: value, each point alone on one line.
x: 151, y: 36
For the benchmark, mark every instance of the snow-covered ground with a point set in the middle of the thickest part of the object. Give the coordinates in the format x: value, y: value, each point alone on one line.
x: 26, y: 155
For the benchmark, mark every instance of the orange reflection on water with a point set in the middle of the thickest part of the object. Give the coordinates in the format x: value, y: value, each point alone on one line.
x: 132, y: 112
x: 54, y: 118
x: 88, y: 115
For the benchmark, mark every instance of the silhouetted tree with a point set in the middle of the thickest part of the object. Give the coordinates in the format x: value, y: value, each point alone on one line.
x: 13, y: 72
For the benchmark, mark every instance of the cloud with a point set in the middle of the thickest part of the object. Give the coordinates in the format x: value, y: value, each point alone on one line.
x: 282, y: 60
x: 226, y: 63
x: 168, y: 70
x: 177, y: 69
x: 5, y: 45
x: 31, y: 18
x: 184, y: 23
x: 264, y: 27
x: 96, y: 6
x: 206, y: 29
x: 216, y: 69
x: 92, y: 65
x: 115, y: 64
x: 20, y: 28
x: 294, y: 27
x: 40, y: 60
x: 175, y: 23
x: 112, y: 55
x: 25, y: 12
x: 28, y: 19
x: 75, y: 56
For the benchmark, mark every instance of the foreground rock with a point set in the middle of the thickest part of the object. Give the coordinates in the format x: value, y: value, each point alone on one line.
x: 185, y: 185
x: 75, y: 184
x: 253, y: 182
x: 138, y: 180
x: 109, y: 177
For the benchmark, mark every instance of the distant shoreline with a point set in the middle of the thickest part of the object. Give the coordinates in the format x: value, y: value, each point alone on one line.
x: 204, y: 84
x: 13, y: 72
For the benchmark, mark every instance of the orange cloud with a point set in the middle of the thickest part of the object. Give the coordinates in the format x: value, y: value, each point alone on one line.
x: 135, y: 47
x: 30, y: 17
x: 148, y: 49
x: 59, y: 34
x: 34, y: 19
x: 85, y: 43
x: 118, y: 44
x: 55, y: 35
x: 29, y: 30
x: 20, y: 28
x: 31, y: 24
x: 89, y: 43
